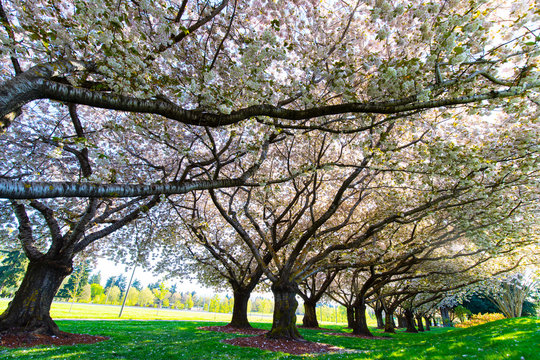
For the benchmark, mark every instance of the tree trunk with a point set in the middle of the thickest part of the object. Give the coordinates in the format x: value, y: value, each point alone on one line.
x: 285, y: 304
x: 389, y: 326
x: 360, y: 324
x: 419, y: 322
x: 379, y: 317
x: 30, y: 308
x: 310, y: 315
x: 409, y: 319
x: 446, y: 317
x: 239, y: 315
x: 428, y: 328
x: 350, y: 317
x: 402, y: 322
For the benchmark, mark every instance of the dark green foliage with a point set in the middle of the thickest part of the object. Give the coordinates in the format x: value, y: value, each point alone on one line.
x: 95, y: 278
x: 480, y: 304
x: 12, y: 269
x: 119, y: 281
x: 153, y: 286
x: 528, y: 309
x: 137, y: 284
x: 76, y: 281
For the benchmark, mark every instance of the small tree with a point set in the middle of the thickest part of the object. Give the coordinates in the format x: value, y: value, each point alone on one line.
x: 132, y: 296
x: 114, y: 295
x: 146, y: 297
x: 97, y: 292
x: 86, y: 294
x: 509, y: 293
x: 189, y: 302
x: 161, y: 293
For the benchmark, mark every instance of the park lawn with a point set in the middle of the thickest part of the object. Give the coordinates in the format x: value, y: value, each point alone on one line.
x: 149, y: 340
x: 62, y: 310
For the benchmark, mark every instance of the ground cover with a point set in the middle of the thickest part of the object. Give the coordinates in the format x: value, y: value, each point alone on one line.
x: 152, y: 340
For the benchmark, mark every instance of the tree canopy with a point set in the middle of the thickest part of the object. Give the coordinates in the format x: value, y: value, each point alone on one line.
x: 378, y: 135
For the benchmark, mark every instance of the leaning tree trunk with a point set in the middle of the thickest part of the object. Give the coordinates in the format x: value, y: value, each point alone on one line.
x: 360, y: 325
x: 285, y: 304
x: 239, y: 315
x: 409, y: 319
x: 30, y: 308
x: 419, y: 323
x: 389, y: 326
x: 310, y: 315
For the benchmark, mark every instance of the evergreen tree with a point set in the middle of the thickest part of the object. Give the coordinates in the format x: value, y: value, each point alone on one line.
x: 12, y: 268
x: 76, y: 281
x: 110, y: 281
x: 121, y: 282
x: 95, y: 278
x: 136, y: 284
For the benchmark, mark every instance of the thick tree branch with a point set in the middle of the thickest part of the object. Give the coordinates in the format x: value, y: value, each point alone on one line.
x: 36, y: 84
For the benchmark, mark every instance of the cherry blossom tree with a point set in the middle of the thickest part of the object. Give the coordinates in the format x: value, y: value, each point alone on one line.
x: 201, y: 63
x: 311, y: 290
x: 437, y: 101
x: 199, y: 243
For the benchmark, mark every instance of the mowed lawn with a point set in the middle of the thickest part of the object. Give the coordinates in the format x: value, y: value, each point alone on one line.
x: 504, y: 339
x: 60, y: 310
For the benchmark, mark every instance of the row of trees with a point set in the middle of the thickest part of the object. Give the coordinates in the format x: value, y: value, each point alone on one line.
x: 394, y: 156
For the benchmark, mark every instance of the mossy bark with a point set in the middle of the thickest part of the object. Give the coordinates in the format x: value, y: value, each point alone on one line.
x: 310, y: 315
x: 30, y: 308
x: 285, y: 305
x: 239, y: 315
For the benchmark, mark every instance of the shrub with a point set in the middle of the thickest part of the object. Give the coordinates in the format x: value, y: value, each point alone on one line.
x: 480, y: 319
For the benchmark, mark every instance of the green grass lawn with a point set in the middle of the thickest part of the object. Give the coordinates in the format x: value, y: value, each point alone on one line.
x: 90, y: 311
x: 148, y: 340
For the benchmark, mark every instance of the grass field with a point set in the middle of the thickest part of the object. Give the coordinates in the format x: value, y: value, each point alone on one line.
x: 110, y: 312
x: 505, y: 339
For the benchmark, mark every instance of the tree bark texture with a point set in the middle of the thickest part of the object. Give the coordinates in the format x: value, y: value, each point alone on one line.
x: 239, y: 315
x: 409, y: 319
x: 428, y: 328
x: 447, y: 322
x: 350, y: 317
x: 402, y: 322
x: 379, y: 317
x: 419, y: 323
x: 360, y: 324
x: 285, y: 304
x: 310, y: 315
x: 389, y: 326
x: 30, y: 308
